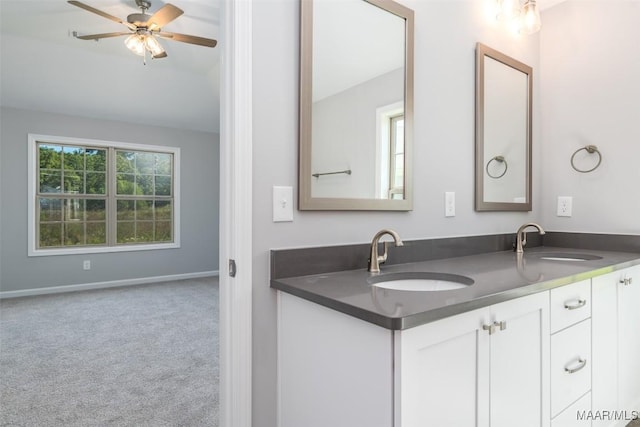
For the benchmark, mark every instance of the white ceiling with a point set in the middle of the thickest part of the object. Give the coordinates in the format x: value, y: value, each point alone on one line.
x: 45, y: 68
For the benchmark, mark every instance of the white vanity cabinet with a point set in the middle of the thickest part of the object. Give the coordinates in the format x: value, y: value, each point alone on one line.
x: 480, y: 368
x: 333, y: 369
x: 616, y: 344
x: 484, y: 367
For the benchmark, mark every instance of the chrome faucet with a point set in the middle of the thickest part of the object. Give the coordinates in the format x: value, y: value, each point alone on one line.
x: 374, y: 259
x: 521, y: 237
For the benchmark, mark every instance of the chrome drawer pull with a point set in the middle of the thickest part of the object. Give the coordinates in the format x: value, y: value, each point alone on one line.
x: 575, y: 305
x: 581, y: 364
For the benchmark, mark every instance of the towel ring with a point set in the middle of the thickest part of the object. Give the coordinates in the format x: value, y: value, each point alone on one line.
x: 589, y: 149
x: 499, y: 159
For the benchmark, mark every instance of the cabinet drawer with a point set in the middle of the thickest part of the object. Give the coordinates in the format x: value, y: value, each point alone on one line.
x: 575, y: 415
x: 570, y: 365
x: 570, y: 304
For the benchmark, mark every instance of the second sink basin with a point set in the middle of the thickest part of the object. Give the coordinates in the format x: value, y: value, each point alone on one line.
x: 420, y: 281
x: 563, y: 256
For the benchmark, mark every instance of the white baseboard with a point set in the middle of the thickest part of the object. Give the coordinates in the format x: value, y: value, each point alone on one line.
x: 101, y: 285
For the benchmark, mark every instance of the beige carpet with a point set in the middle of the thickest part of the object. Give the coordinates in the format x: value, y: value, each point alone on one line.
x: 134, y: 356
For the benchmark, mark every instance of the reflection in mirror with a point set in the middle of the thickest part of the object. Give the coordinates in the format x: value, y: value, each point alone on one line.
x: 503, y: 132
x: 355, y: 105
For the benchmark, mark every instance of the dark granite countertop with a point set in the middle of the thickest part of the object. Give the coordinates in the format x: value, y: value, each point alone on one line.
x: 498, y: 276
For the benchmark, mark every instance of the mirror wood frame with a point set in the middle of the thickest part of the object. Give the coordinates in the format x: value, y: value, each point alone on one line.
x: 482, y: 52
x: 305, y: 199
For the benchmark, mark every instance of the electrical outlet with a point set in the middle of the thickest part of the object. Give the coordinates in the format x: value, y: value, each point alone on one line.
x: 565, y: 205
x: 86, y: 264
x: 449, y: 204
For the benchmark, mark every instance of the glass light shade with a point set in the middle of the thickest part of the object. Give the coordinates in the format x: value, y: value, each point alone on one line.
x: 153, y: 45
x: 531, y: 22
x: 514, y: 25
x: 135, y: 44
x: 509, y: 9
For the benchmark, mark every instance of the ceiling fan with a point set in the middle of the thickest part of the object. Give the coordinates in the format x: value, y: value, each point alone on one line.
x: 143, y: 29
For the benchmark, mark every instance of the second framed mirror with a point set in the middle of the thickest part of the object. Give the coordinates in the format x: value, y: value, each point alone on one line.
x: 503, y: 132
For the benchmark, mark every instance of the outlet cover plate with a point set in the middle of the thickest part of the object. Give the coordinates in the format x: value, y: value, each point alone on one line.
x: 565, y: 206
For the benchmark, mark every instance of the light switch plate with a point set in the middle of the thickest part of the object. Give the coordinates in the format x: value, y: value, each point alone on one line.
x: 282, y: 204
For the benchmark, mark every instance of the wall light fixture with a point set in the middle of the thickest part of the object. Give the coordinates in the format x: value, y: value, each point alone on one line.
x: 519, y: 18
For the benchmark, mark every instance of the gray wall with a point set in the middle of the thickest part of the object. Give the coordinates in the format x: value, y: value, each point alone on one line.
x: 589, y: 71
x: 446, y: 33
x: 199, y: 204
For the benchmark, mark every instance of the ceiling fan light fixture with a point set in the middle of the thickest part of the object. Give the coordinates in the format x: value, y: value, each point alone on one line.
x: 153, y: 45
x: 143, y: 27
x: 136, y: 44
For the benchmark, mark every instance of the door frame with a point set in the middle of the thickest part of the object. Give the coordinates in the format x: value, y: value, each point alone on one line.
x: 236, y: 213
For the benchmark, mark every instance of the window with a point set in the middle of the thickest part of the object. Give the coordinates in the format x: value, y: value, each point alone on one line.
x: 390, y: 151
x: 396, y: 157
x: 94, y: 196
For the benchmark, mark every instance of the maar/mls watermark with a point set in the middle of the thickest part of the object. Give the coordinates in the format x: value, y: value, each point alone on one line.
x: 606, y: 415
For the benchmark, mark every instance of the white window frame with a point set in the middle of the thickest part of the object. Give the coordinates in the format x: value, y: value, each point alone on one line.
x: 32, y: 182
x: 383, y: 138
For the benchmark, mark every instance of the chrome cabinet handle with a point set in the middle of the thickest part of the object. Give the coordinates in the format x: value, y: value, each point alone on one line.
x: 626, y: 281
x: 502, y: 325
x: 491, y: 328
x: 581, y: 364
x: 573, y: 305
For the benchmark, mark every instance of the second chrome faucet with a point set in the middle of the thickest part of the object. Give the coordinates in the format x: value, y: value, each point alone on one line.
x: 521, y: 237
x: 374, y: 259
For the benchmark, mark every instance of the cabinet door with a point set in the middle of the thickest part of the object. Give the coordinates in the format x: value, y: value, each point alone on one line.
x: 629, y: 339
x: 441, y: 373
x: 519, y: 372
x: 604, y: 345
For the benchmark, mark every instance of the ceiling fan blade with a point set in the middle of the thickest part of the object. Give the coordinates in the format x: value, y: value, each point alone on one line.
x: 201, y: 41
x: 101, y: 13
x: 163, y: 16
x: 160, y: 55
x: 101, y: 36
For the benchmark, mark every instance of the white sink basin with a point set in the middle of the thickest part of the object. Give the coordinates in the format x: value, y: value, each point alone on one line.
x: 570, y: 257
x: 420, y: 282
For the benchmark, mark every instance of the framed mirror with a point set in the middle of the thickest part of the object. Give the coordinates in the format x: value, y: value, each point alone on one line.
x: 356, y: 105
x: 503, y: 132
